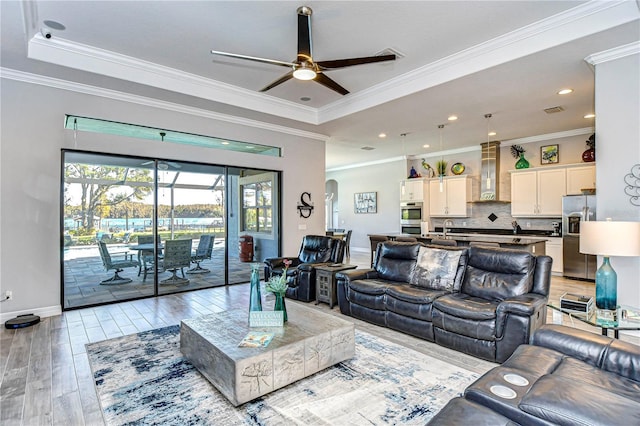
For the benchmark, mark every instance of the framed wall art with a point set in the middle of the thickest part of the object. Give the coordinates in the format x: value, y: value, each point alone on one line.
x: 365, y: 202
x: 549, y: 154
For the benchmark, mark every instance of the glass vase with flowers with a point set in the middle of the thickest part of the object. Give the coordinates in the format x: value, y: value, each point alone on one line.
x: 278, y: 286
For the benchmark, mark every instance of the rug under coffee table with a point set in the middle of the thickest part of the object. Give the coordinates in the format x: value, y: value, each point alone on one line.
x: 309, y: 342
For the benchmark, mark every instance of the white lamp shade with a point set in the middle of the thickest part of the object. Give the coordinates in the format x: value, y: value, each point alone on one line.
x: 608, y: 238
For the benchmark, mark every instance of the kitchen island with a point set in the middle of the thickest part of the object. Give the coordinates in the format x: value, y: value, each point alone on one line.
x: 531, y: 243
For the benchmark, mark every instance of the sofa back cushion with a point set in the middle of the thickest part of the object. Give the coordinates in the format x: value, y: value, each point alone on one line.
x: 319, y: 249
x: 496, y: 274
x: 396, y: 260
x: 440, y: 268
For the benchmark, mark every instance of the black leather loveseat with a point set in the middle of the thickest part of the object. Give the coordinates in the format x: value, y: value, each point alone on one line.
x: 571, y: 377
x: 301, y: 274
x: 481, y: 301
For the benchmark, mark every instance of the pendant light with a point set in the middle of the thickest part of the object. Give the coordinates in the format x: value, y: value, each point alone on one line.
x: 440, y: 171
x: 488, y: 117
x: 402, y: 136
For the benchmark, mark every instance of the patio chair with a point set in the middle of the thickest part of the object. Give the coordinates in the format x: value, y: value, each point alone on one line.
x: 203, y: 252
x: 117, y: 265
x: 177, y: 255
x: 146, y: 257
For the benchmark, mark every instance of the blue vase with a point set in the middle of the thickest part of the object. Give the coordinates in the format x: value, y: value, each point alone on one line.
x: 255, y: 298
x: 606, y: 287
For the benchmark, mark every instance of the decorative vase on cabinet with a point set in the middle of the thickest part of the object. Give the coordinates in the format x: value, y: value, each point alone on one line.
x: 522, y: 162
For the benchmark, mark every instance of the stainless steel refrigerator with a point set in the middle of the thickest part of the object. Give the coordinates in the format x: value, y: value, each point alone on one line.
x: 575, y: 210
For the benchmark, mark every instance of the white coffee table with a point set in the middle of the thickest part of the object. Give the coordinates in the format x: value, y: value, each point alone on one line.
x: 309, y: 342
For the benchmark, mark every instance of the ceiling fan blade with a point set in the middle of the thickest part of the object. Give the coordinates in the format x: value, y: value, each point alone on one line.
x: 279, y: 81
x: 304, y: 33
x: 327, y: 82
x: 253, y: 58
x: 341, y: 63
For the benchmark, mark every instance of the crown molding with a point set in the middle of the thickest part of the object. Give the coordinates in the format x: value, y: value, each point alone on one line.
x: 549, y: 136
x: 613, y: 54
x: 366, y: 164
x: 88, y: 58
x: 10, y: 74
x: 583, y: 20
x: 575, y: 23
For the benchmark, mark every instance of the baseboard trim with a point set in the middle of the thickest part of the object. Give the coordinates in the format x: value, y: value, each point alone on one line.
x: 47, y: 311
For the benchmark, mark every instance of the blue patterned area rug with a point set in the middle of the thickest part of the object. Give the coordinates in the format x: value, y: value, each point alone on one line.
x: 144, y: 379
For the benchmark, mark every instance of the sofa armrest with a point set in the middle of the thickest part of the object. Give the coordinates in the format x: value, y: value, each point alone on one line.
x: 308, y: 267
x: 278, y: 262
x: 583, y: 345
x: 356, y: 274
x: 527, y: 305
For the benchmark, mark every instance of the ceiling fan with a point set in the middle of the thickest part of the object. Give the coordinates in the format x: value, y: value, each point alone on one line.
x: 304, y: 67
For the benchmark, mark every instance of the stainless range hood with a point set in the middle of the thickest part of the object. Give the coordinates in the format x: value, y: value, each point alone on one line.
x: 490, y: 172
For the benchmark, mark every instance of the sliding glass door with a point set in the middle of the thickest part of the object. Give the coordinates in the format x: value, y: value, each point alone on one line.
x: 138, y: 227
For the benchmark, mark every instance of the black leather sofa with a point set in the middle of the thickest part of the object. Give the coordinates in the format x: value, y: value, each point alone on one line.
x: 301, y: 274
x: 573, y: 378
x: 490, y: 302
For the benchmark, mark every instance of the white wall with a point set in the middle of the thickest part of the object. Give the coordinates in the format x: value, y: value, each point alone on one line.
x: 617, y: 150
x: 381, y: 178
x: 32, y: 136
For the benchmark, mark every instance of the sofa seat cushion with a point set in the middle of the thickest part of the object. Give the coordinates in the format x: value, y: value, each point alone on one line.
x: 467, y: 307
x: 370, y: 293
x: 412, y: 294
x: 564, y: 401
x: 581, y: 372
x: 374, y: 287
x: 412, y: 302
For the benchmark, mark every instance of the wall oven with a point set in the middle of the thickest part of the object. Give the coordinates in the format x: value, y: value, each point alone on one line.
x: 411, y: 213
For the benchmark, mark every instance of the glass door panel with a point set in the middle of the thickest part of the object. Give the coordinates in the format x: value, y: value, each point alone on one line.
x: 191, y: 208
x: 107, y: 204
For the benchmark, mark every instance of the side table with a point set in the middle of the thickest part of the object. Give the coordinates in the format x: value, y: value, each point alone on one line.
x: 326, y: 282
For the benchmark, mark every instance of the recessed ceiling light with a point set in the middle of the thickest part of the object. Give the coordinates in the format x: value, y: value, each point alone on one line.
x: 382, y: 135
x: 426, y: 145
x: 452, y: 118
x: 590, y: 116
x: 565, y: 91
x: 492, y: 133
x: 305, y: 99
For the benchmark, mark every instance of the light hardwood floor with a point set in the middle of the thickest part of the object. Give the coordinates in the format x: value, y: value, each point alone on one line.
x: 45, y: 374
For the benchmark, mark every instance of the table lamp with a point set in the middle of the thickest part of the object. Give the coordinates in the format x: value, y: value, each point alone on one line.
x: 608, y: 238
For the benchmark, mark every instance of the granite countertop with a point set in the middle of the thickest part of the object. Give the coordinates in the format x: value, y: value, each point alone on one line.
x: 479, y: 238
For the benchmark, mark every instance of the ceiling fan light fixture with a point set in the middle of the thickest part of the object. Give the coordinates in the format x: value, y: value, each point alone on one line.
x: 304, y: 73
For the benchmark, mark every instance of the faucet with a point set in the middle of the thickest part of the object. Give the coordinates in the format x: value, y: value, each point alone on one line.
x: 516, y: 227
x: 447, y: 223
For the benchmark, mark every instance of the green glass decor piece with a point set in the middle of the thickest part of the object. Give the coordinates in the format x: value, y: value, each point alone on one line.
x: 280, y: 305
x: 522, y: 162
x: 255, y: 298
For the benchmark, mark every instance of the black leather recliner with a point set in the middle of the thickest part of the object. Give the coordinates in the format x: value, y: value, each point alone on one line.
x: 301, y: 274
x: 571, y: 377
x: 502, y: 300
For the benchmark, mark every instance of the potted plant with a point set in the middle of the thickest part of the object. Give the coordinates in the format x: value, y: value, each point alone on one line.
x: 518, y: 152
x: 278, y: 286
x: 441, y: 166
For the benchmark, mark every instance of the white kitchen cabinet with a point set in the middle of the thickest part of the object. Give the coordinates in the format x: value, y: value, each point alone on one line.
x: 538, y: 193
x: 554, y: 249
x: 413, y: 190
x: 452, y: 201
x: 579, y: 178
